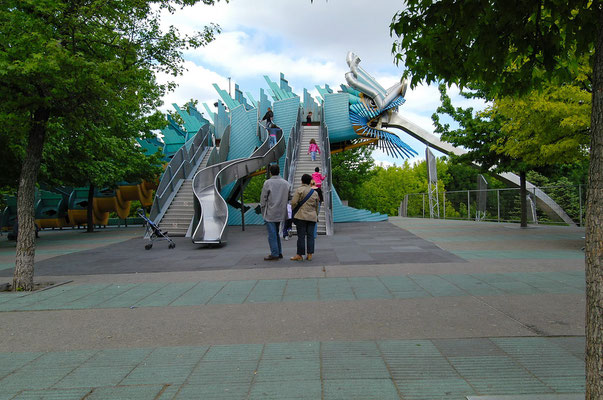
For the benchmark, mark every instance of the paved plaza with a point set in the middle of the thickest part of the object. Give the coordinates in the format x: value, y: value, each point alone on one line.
x: 404, y: 309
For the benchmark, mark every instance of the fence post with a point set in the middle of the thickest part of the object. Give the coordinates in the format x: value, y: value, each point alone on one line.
x: 423, y: 205
x: 498, y: 203
x: 444, y: 198
x: 468, y: 205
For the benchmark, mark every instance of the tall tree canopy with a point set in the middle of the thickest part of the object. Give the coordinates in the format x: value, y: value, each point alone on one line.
x: 512, y: 46
x: 75, y: 68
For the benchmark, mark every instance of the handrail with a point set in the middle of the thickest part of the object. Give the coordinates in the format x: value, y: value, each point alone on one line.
x: 211, y: 220
x: 325, y: 144
x: 181, y: 166
x: 293, y: 150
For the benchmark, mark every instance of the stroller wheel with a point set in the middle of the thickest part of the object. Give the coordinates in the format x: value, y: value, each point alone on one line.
x: 148, y: 246
x: 172, y: 245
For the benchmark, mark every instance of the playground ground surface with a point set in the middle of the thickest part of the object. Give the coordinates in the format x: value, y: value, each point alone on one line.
x: 404, y: 309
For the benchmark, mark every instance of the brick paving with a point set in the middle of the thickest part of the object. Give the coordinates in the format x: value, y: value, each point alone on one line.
x: 491, y: 310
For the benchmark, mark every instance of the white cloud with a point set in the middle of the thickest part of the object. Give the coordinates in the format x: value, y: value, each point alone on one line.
x: 195, y: 83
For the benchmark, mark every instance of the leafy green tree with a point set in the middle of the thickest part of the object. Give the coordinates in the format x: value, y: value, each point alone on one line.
x: 69, y: 67
x: 253, y: 191
x: 387, y: 187
x: 479, y: 133
x: 350, y: 169
x: 545, y: 127
x: 513, y: 47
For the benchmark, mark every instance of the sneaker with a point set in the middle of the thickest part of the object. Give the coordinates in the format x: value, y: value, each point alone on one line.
x: 271, y: 258
x: 297, y: 257
x: 309, y: 257
x: 287, y: 237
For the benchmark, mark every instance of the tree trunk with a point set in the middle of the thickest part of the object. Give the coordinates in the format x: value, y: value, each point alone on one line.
x: 26, y: 239
x: 90, y: 209
x: 523, y: 194
x: 594, y: 233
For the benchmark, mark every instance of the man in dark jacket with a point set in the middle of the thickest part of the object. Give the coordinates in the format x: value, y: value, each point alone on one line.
x: 273, y: 203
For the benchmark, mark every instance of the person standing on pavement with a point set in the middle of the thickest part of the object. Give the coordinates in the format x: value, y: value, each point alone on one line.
x: 305, y: 213
x: 273, y: 204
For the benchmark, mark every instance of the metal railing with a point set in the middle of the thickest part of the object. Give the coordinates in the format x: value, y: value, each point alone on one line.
x: 293, y: 150
x: 181, y: 166
x: 325, y: 144
x: 499, y: 205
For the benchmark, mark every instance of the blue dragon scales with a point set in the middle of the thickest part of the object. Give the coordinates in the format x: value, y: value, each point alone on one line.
x: 369, y: 102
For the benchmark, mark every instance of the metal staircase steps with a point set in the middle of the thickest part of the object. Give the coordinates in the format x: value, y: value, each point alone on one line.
x: 179, y: 214
x: 305, y: 165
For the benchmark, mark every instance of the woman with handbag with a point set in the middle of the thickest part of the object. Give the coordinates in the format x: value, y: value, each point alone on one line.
x: 305, y: 213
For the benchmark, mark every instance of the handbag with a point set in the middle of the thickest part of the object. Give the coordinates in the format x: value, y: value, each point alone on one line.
x: 301, y: 203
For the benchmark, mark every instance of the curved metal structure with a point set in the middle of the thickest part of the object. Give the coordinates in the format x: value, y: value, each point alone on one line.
x: 395, y: 120
x: 211, y: 209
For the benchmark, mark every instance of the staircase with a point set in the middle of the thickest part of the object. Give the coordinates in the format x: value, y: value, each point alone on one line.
x: 305, y: 165
x: 179, y: 214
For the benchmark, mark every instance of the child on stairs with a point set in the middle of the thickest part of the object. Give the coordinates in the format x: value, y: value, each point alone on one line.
x: 313, y: 149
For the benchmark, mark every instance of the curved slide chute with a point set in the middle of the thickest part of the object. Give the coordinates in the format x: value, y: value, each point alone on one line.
x: 211, y: 209
x: 395, y: 120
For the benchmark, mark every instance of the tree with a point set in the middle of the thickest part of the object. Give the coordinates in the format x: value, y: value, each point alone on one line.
x: 350, y: 168
x: 512, y: 47
x: 70, y: 67
x: 545, y: 127
x: 479, y: 134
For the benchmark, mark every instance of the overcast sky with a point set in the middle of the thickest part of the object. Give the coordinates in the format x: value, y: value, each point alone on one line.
x: 308, y: 42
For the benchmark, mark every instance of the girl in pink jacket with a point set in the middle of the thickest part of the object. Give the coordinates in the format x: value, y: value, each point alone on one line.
x: 313, y: 149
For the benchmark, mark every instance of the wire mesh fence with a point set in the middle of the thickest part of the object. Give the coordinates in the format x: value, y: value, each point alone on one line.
x: 499, y: 205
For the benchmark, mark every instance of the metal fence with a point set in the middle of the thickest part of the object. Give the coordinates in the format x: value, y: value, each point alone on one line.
x: 498, y: 205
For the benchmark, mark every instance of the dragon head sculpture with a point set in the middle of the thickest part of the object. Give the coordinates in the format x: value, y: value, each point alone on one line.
x: 369, y: 102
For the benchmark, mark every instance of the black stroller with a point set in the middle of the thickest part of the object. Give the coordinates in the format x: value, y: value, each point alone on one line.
x: 153, y: 232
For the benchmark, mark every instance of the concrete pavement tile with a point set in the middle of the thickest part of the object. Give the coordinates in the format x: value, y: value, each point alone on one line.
x: 267, y: 290
x: 199, y: 294
x: 73, y: 358
x: 566, y: 384
x: 126, y: 392
x: 223, y: 372
x: 96, y: 376
x: 287, y: 390
x: 165, y: 295
x: 118, y: 357
x: 53, y: 394
x: 437, y: 286
x: 132, y: 296
x: 360, y: 389
x: 224, y: 391
x: 288, y: 370
x: 239, y: 352
x: 30, y: 377
x: 235, y: 292
x: 438, y: 388
x: 10, y: 362
x: 369, y: 288
x: 294, y: 350
x: 172, y: 374
x: 467, y: 347
x: 184, y: 355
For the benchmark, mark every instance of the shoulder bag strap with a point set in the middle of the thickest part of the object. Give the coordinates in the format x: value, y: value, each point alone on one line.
x: 301, y: 203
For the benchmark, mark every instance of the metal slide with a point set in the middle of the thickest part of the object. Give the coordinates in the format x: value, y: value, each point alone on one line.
x: 211, y: 209
x: 395, y: 120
